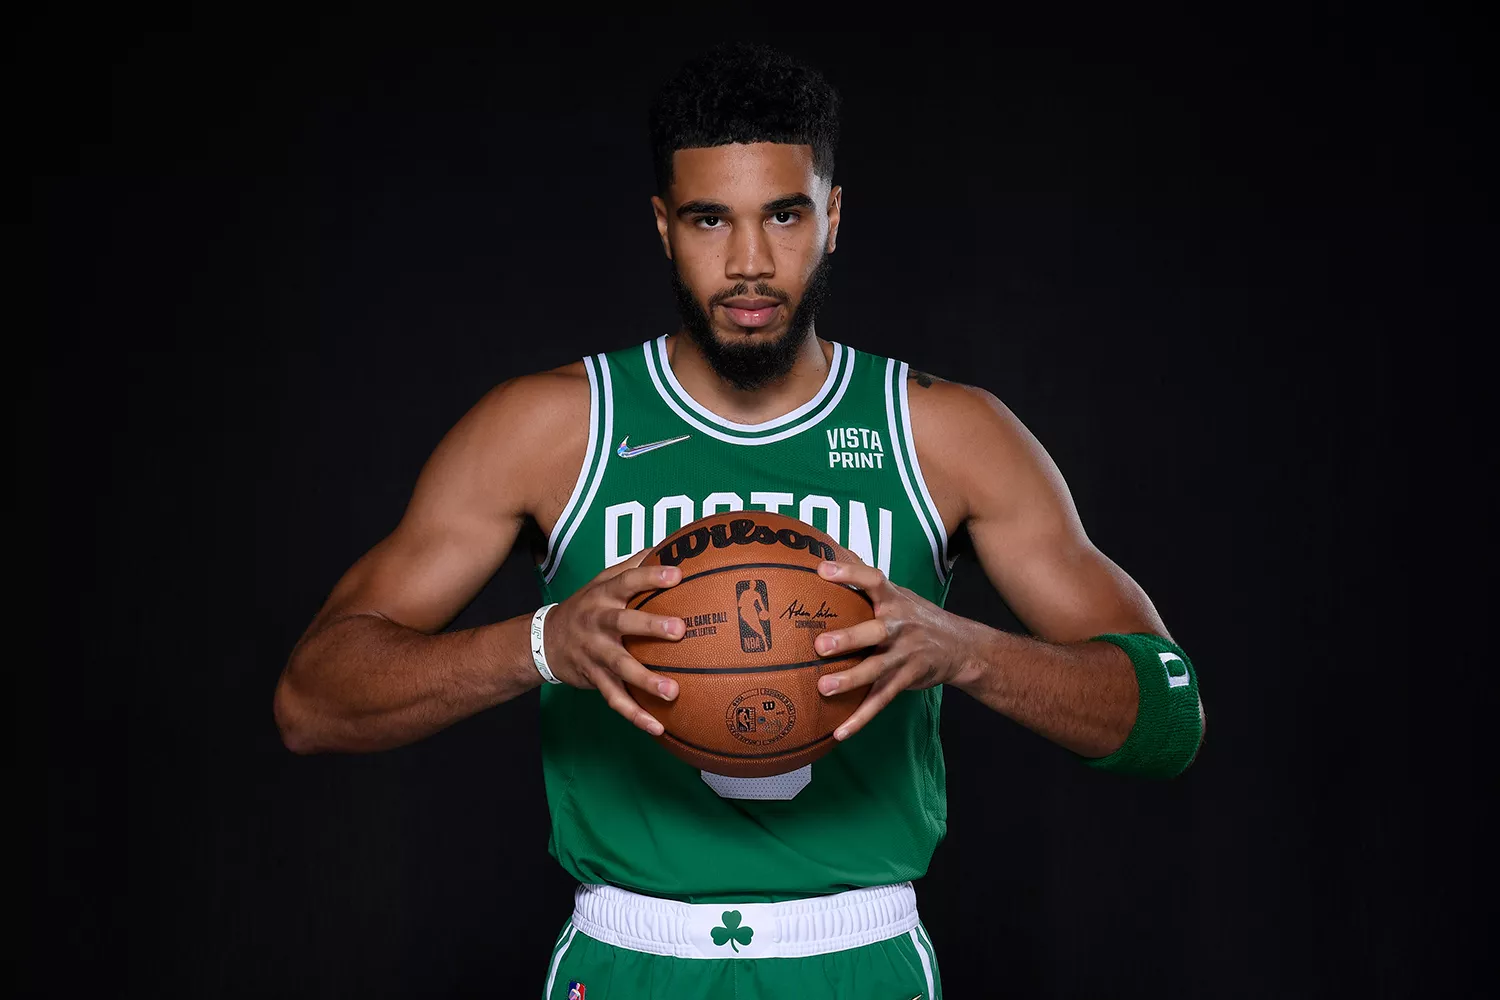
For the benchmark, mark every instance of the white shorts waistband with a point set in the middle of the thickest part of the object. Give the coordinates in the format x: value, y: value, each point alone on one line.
x: 793, y: 929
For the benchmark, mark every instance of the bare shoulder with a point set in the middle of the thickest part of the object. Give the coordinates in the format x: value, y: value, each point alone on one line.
x: 947, y: 405
x: 521, y: 443
x: 543, y: 401
x: 970, y: 444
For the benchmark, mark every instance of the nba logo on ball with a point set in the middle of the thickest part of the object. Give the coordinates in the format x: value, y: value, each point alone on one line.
x: 755, y: 615
x: 576, y: 991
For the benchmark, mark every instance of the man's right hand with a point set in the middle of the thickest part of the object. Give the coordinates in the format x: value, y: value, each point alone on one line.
x: 582, y: 638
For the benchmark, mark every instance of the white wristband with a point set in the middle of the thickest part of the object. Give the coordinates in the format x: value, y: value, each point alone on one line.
x: 538, y: 653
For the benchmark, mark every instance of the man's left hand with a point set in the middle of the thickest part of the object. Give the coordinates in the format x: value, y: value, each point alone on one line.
x: 915, y: 644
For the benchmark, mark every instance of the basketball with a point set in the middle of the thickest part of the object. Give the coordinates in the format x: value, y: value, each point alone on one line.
x: 752, y: 603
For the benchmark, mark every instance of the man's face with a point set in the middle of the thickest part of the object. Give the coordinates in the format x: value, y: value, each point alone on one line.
x: 748, y: 229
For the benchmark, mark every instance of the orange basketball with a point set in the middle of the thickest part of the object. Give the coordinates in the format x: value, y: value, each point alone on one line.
x: 752, y: 603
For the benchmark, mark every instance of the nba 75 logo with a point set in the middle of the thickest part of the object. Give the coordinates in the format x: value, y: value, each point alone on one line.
x: 755, y: 615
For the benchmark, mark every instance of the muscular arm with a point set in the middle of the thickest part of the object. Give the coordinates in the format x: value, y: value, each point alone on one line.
x: 370, y: 673
x: 998, y: 479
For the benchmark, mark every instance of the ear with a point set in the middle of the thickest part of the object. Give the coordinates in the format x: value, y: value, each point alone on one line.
x: 660, y: 208
x: 835, y: 204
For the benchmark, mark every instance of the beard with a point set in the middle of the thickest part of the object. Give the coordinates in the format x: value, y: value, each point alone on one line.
x: 755, y: 362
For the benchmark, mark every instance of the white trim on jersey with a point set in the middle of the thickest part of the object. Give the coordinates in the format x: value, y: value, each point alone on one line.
x: 609, y: 432
x: 766, y: 425
x: 900, y: 453
x: 840, y: 354
x: 583, y: 470
x: 916, y: 467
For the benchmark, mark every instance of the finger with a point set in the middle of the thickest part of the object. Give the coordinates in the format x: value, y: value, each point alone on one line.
x: 861, y: 636
x: 881, y: 693
x: 619, y: 699
x: 866, y: 578
x: 624, y: 621
x: 631, y: 562
x: 630, y: 670
x: 867, y: 671
x: 642, y: 578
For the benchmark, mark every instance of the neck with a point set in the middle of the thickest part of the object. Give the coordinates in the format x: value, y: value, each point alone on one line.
x: 750, y: 406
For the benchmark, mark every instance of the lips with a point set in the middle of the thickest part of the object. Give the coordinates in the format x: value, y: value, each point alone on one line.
x: 750, y: 312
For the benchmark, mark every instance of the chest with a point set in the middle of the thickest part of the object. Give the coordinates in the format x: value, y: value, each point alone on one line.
x: 847, y: 471
x: 841, y: 480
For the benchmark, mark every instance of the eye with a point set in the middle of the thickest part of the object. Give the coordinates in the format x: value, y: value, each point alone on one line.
x: 708, y: 222
x: 785, y: 218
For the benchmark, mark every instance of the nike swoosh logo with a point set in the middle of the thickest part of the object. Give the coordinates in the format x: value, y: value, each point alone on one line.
x: 625, y: 451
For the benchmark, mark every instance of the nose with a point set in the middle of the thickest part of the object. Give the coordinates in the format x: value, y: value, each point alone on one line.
x: 750, y: 257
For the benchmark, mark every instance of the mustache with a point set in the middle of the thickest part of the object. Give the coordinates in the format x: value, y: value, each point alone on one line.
x: 762, y: 289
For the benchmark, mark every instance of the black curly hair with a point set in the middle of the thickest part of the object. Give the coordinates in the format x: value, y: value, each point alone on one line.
x: 744, y: 92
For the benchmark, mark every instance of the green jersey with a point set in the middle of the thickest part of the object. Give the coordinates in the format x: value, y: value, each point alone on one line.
x: 625, y: 811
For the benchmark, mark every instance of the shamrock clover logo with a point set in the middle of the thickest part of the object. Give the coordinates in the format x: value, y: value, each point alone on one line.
x: 732, y: 931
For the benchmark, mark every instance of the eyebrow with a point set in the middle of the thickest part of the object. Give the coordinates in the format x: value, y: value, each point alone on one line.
x: 701, y: 208
x: 798, y: 200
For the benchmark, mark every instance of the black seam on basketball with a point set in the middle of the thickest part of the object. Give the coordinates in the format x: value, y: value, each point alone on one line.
x: 741, y: 566
x: 755, y: 670
x: 746, y: 756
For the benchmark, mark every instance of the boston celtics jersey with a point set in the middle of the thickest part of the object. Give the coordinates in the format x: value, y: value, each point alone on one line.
x: 624, y: 810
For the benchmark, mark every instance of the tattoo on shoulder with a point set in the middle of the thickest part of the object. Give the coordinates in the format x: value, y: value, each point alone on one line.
x: 921, y: 378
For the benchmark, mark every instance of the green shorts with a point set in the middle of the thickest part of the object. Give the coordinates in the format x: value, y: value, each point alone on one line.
x: 865, y: 943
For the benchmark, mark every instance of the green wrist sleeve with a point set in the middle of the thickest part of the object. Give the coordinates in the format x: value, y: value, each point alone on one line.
x: 1169, y: 720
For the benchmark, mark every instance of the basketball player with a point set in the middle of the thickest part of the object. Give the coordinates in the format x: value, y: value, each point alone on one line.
x: 694, y: 884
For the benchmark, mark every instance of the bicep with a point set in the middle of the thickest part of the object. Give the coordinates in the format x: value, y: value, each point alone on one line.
x: 421, y: 576
x: 464, y: 515
x: 1062, y: 588
x: 1029, y: 539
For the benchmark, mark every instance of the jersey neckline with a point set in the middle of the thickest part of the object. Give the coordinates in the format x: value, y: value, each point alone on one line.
x: 810, y: 413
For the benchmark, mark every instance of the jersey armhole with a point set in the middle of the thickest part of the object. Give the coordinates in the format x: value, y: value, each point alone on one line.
x: 898, y: 420
x: 601, y: 430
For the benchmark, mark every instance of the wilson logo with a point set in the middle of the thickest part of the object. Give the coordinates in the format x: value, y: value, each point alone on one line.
x: 740, y: 531
x: 866, y: 529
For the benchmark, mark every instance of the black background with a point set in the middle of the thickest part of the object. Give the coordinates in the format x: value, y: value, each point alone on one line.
x: 1218, y: 269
